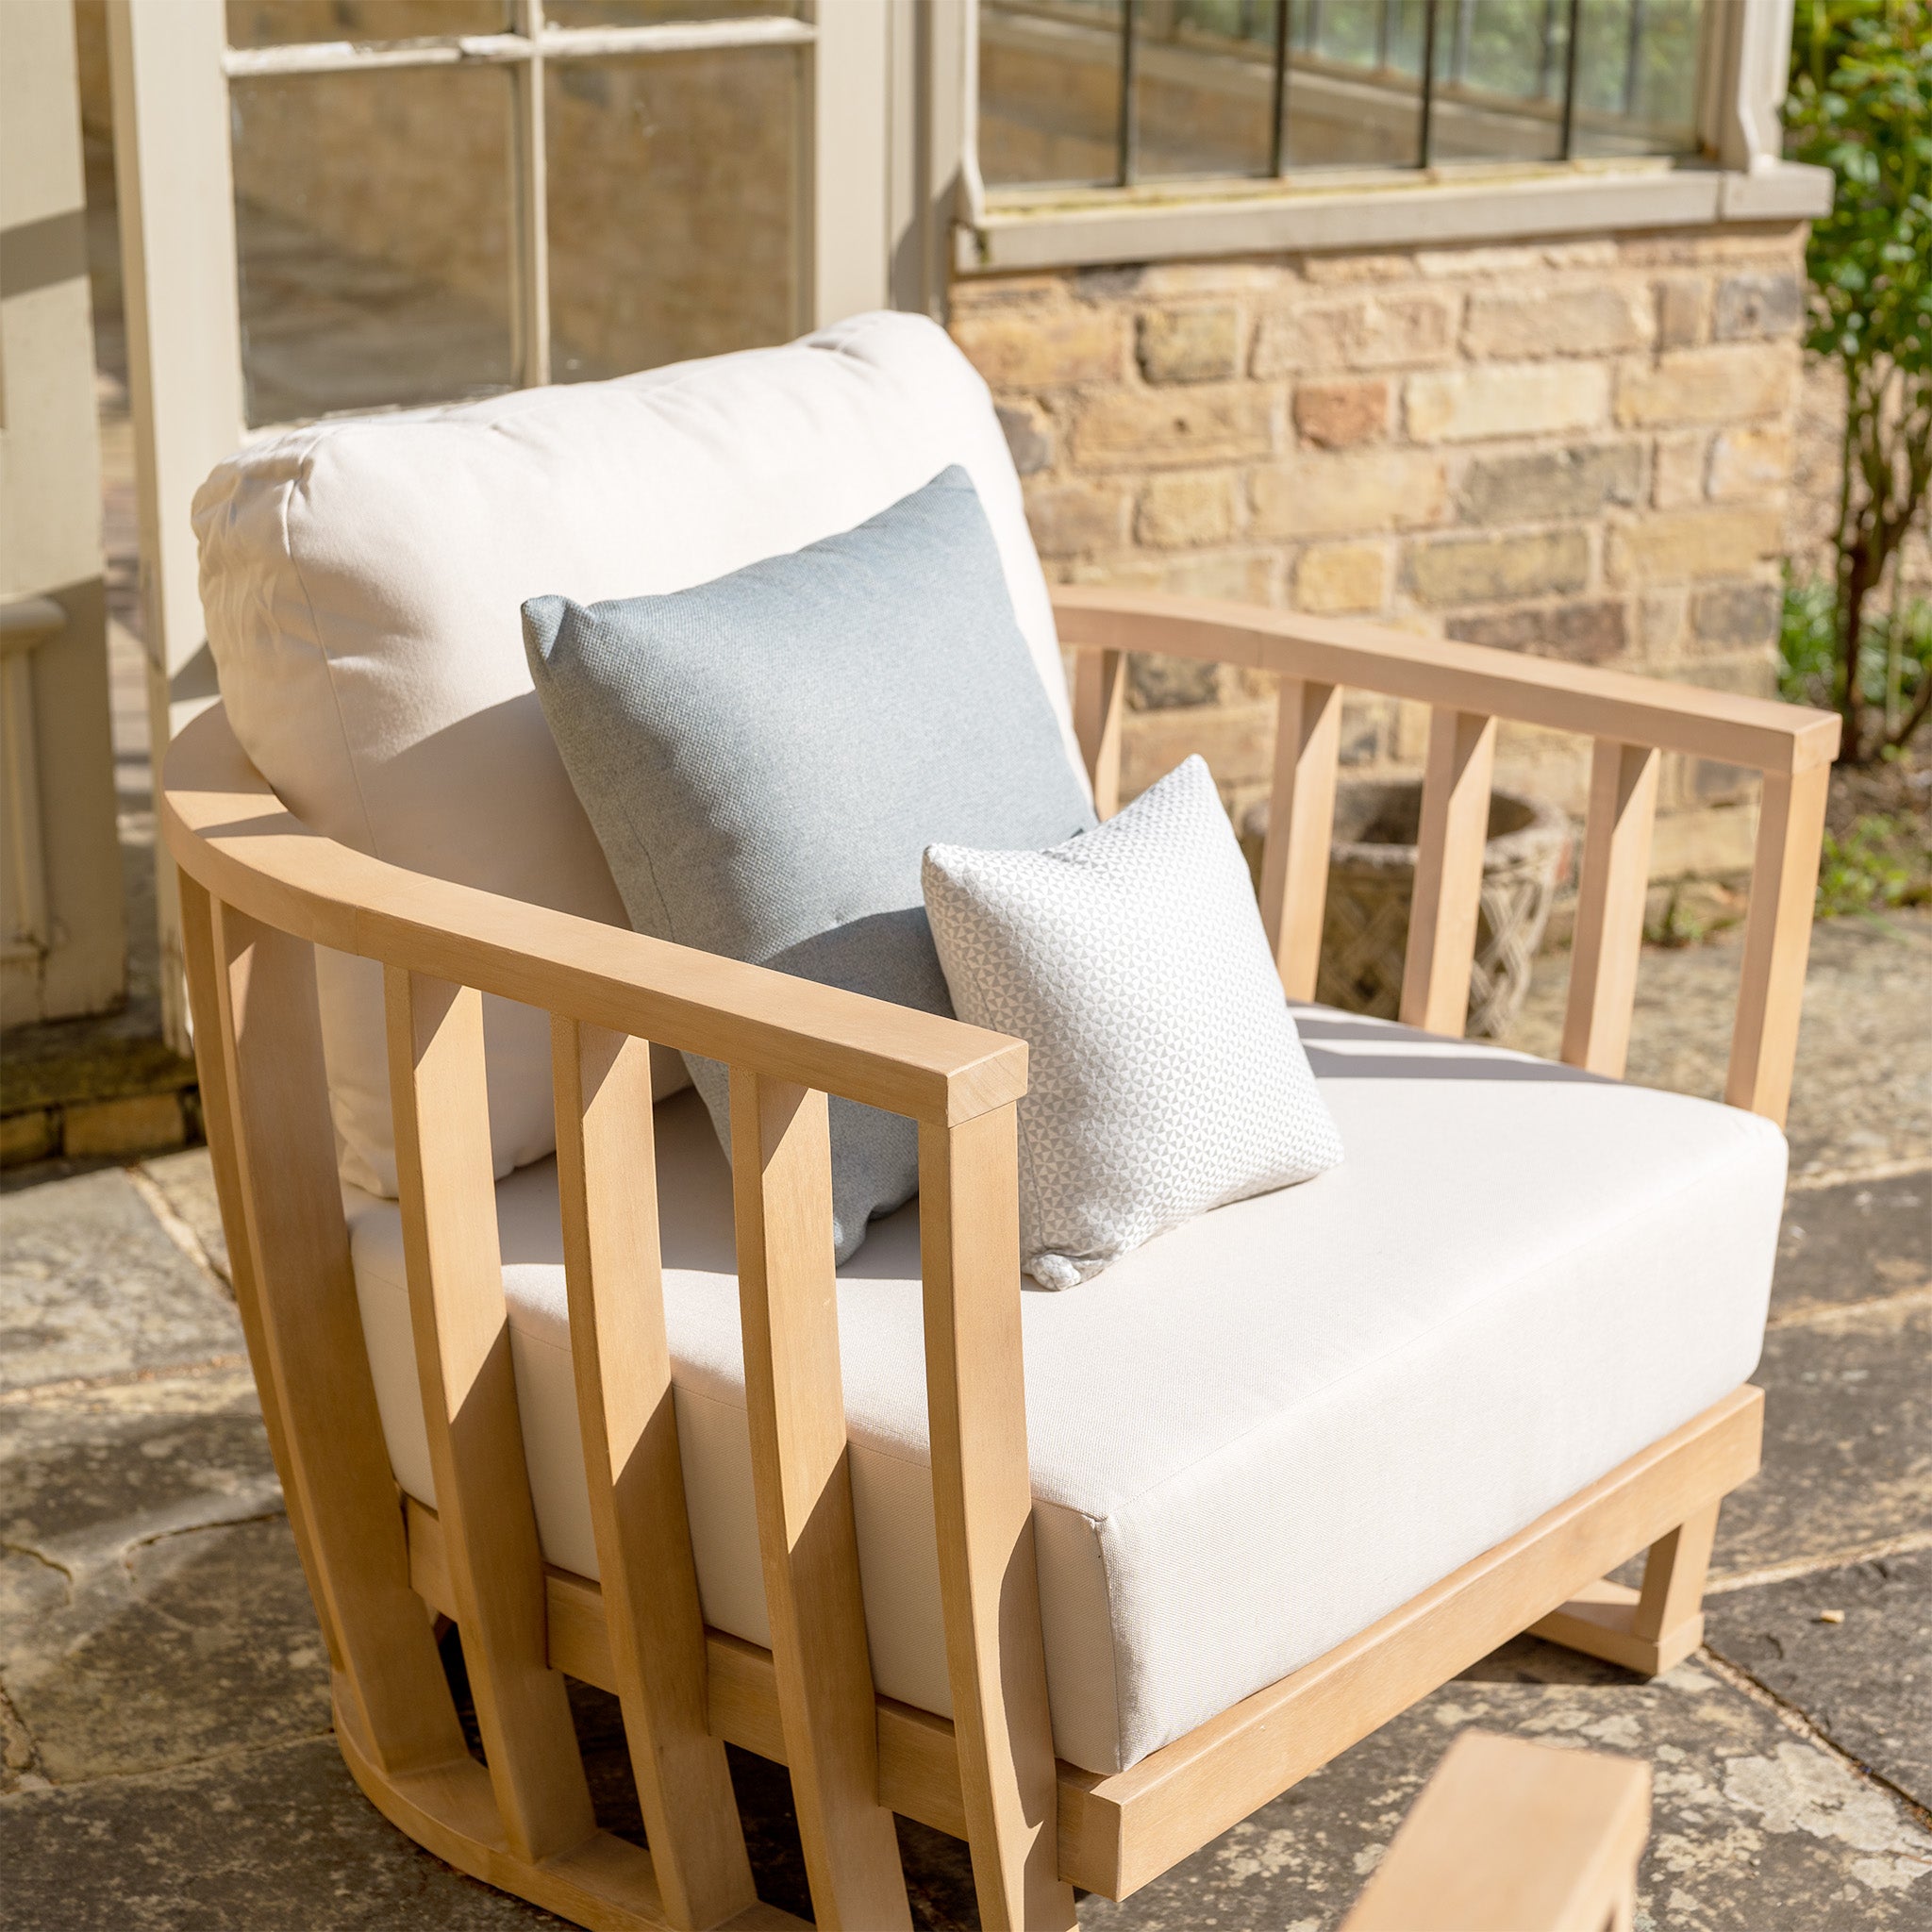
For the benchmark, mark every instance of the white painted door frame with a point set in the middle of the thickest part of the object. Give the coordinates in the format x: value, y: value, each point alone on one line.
x: 63, y: 933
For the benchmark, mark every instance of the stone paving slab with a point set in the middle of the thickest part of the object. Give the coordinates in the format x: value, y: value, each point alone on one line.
x: 1847, y: 1439
x: 186, y: 1182
x: 270, y: 1840
x: 1865, y: 1682
x: 1857, y: 1241
x: 91, y: 1285
x: 152, y: 1608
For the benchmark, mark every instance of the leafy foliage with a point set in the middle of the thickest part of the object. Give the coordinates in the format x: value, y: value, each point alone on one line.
x: 1866, y: 870
x: 1894, y: 655
x: 1861, y: 105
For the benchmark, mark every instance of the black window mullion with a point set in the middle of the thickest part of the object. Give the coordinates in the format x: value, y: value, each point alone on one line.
x: 1129, y: 146
x: 1570, y: 53
x: 1277, y: 143
x: 1425, y: 133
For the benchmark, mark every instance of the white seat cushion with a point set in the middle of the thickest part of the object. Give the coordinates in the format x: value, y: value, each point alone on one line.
x: 365, y: 579
x: 1252, y: 1437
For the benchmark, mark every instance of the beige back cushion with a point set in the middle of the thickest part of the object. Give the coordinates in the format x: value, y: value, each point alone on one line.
x: 363, y: 580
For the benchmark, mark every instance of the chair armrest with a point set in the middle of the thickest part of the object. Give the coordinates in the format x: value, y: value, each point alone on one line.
x: 226, y: 828
x: 1469, y: 687
x: 1761, y: 733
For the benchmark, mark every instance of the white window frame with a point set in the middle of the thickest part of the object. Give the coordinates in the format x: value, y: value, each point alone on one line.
x: 862, y: 232
x: 1740, y: 176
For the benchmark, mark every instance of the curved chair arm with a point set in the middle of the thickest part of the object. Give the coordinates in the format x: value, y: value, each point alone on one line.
x: 227, y: 829
x: 1467, y: 688
x: 260, y: 892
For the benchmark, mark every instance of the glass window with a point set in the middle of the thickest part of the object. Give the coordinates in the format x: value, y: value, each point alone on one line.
x: 1049, y: 92
x: 373, y: 236
x: 281, y: 23
x: 1208, y: 79
x: 674, y: 206
x: 661, y: 12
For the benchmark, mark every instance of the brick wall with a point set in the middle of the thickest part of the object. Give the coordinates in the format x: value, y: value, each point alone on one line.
x: 1581, y: 450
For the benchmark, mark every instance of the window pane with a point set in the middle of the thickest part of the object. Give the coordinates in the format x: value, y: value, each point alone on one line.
x: 1637, y: 77
x: 1499, y: 80
x: 1206, y: 81
x: 276, y: 23
x: 1354, y: 91
x: 1049, y: 92
x: 674, y: 191
x: 656, y: 12
x: 373, y: 230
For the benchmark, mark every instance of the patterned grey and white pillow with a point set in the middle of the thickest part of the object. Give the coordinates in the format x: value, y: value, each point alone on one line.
x: 1166, y: 1074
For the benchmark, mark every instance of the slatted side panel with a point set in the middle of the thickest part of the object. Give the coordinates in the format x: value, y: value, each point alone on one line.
x: 461, y: 1331
x: 258, y: 1041
x: 788, y: 1294
x: 1100, y: 683
x: 1777, y: 937
x: 1300, y: 825
x: 1449, y: 869
x: 606, y: 1172
x: 983, y: 1505
x: 1609, y: 911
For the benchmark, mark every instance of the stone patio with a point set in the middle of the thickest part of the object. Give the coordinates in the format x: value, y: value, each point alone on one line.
x: 168, y: 1762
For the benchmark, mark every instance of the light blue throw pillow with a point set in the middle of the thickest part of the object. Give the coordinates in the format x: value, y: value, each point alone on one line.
x: 765, y: 758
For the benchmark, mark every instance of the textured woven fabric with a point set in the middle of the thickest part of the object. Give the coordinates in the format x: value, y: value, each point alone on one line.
x: 765, y: 756
x: 1166, y: 1076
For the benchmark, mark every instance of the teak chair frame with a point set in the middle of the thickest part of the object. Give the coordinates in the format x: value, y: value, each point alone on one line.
x: 260, y: 892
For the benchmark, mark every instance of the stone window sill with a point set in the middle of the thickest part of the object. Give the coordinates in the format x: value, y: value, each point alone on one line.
x: 1449, y: 206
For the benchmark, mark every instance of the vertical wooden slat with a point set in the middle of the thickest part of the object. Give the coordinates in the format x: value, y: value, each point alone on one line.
x: 212, y: 1051
x: 461, y: 1328
x: 605, y: 1169
x: 788, y: 1295
x: 1448, y: 871
x: 259, y: 1043
x: 1099, y: 688
x: 1300, y: 822
x: 1777, y: 941
x: 983, y: 1506
x: 1609, y: 911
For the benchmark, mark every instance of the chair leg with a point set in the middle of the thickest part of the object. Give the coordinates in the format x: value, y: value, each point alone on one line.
x: 1653, y: 1629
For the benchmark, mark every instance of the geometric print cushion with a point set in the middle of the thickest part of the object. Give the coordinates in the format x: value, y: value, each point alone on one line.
x: 1166, y: 1076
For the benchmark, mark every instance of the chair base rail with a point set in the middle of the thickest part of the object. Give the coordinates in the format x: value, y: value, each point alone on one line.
x: 1118, y: 1830
x: 607, y: 1883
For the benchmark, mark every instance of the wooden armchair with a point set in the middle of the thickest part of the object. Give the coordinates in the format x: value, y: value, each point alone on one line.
x: 262, y: 891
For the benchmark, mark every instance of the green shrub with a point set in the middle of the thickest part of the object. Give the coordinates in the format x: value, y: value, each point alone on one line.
x: 1865, y: 871
x: 1894, y: 655
x: 1861, y: 105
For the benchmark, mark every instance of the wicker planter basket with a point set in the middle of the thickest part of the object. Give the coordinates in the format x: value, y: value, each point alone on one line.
x: 1372, y: 876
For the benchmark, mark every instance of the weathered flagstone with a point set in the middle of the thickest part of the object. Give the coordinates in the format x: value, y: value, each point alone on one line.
x: 1866, y: 1682
x: 270, y: 1841
x: 1847, y: 1439
x: 90, y: 1285
x: 186, y: 1184
x: 152, y: 1608
x: 1857, y: 1241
